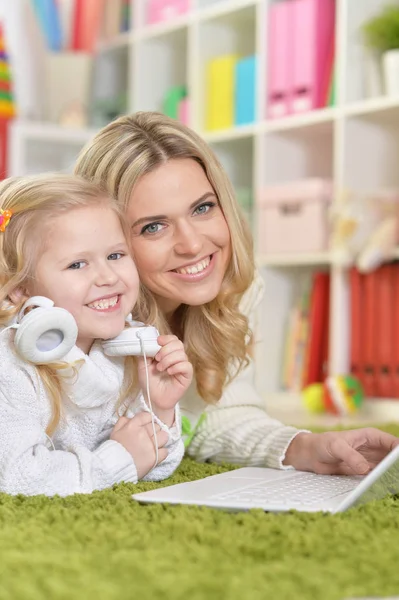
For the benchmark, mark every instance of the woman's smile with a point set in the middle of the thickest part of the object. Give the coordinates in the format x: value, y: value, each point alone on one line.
x: 197, y: 271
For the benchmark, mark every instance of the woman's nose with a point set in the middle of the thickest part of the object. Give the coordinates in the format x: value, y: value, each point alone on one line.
x: 187, y: 240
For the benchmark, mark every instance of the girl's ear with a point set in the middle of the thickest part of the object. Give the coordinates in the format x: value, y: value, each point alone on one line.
x: 18, y: 296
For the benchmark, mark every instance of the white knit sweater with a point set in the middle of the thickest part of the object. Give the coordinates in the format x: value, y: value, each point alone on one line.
x: 84, y: 458
x: 237, y: 429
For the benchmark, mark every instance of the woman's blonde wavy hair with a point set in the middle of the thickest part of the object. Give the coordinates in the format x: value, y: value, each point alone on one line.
x: 34, y: 201
x: 216, y: 334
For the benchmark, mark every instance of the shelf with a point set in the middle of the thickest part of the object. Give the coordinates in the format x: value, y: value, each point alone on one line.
x: 40, y: 130
x: 120, y: 41
x: 156, y: 30
x: 207, y: 13
x: 287, y: 407
x: 294, y: 260
x: 317, y: 119
x: 235, y: 133
x: 223, y: 8
x: 371, y: 106
x: 305, y: 260
x: 315, y: 122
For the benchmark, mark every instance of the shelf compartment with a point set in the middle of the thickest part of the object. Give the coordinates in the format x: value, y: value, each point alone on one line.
x: 161, y: 64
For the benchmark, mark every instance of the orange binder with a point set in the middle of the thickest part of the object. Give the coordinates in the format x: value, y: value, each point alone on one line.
x: 369, y: 329
x: 385, y: 306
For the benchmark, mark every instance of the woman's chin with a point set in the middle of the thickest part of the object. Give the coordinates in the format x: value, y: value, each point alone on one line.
x: 200, y: 296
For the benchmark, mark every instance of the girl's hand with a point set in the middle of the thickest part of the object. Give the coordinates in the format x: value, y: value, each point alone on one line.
x: 353, y: 452
x: 170, y: 375
x: 137, y: 437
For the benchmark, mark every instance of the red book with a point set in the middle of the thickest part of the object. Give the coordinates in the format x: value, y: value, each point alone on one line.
x: 328, y: 72
x: 395, y: 334
x: 88, y: 19
x: 369, y: 334
x: 356, y: 319
x: 77, y: 24
x: 318, y: 328
x: 385, y: 307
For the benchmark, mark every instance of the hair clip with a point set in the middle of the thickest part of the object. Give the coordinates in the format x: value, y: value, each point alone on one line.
x: 5, y: 216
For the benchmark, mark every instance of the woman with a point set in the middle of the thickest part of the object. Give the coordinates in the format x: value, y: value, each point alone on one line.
x: 194, y: 255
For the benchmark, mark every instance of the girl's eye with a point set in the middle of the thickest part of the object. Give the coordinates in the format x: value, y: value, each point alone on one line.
x: 202, y: 209
x: 115, y: 256
x: 77, y: 265
x: 152, y: 228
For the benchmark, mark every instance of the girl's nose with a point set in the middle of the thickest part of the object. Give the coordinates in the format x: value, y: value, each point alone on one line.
x: 106, y: 275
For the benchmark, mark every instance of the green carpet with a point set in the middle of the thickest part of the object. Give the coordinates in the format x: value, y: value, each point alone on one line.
x: 106, y: 546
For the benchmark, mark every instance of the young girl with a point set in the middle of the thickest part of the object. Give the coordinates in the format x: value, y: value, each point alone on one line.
x: 77, y: 425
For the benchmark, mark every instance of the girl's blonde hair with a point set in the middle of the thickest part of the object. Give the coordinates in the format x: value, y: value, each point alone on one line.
x: 34, y: 201
x: 216, y: 334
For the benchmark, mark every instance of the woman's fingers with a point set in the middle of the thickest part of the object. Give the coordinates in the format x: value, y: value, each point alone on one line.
x: 351, y: 458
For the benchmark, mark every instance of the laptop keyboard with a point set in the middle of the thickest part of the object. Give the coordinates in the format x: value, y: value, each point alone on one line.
x: 302, y: 489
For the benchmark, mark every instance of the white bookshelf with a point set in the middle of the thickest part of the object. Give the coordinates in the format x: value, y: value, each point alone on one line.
x: 355, y: 143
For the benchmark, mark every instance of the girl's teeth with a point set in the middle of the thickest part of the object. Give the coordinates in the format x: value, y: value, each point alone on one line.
x: 195, y: 268
x: 104, y: 303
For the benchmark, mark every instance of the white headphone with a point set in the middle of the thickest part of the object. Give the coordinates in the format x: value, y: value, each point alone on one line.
x: 47, y: 333
x: 131, y: 340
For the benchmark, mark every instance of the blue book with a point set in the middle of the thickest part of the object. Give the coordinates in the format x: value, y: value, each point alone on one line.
x: 245, y: 88
x: 49, y: 19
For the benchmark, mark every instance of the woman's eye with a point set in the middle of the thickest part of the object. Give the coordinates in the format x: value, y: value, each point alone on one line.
x: 115, y: 256
x: 152, y: 228
x: 77, y: 265
x: 202, y: 209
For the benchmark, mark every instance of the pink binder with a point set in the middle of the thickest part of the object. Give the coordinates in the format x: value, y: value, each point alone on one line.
x: 313, y: 29
x: 279, y: 58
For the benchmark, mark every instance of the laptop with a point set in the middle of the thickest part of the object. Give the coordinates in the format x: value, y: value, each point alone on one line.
x: 274, y: 490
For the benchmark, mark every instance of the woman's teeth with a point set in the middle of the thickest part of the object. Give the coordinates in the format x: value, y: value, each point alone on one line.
x: 192, y: 269
x: 104, y: 303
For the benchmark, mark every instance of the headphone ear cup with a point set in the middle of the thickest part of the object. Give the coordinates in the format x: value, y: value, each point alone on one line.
x: 128, y: 342
x: 46, y: 335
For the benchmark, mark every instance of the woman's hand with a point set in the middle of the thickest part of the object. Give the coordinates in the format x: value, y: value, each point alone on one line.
x: 137, y: 437
x: 354, y: 452
x: 170, y: 374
